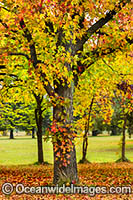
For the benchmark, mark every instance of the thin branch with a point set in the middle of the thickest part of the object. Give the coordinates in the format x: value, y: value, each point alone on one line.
x: 94, y: 55
x: 2, y: 66
x: 19, y: 54
x: 43, y: 109
x: 121, y: 74
x: 130, y: 41
x: 109, y: 66
x: 13, y: 86
x: 4, y: 8
x: 4, y: 24
x: 3, y: 74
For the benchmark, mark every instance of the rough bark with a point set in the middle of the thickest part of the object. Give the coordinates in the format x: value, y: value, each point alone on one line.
x: 64, y: 116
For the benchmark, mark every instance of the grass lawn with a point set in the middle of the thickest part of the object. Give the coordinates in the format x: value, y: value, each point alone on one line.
x: 23, y: 150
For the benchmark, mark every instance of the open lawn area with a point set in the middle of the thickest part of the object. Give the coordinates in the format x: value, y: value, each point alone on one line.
x: 23, y: 150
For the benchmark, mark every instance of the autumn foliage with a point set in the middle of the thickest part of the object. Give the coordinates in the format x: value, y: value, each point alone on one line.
x: 90, y: 175
x: 48, y: 45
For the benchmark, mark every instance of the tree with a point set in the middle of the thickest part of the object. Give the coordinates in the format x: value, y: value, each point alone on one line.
x: 125, y: 93
x: 30, y: 105
x: 15, y: 115
x: 92, y: 103
x: 56, y: 40
x: 40, y: 111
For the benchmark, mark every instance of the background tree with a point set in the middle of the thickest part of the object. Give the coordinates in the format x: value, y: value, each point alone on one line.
x: 34, y: 103
x: 15, y: 115
x: 92, y: 102
x: 125, y: 96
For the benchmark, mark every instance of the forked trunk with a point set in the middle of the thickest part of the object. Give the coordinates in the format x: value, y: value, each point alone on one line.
x: 65, y: 165
x: 85, y: 136
x: 85, y: 144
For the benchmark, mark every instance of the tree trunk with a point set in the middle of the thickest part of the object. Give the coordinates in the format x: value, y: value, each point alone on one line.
x: 65, y: 166
x: 40, y: 148
x: 123, y: 157
x: 130, y: 128
x: 38, y: 117
x: 85, y: 137
x: 11, y: 134
x: 85, y: 145
x: 4, y: 133
x: 33, y: 133
x: 130, y: 134
x: 123, y: 140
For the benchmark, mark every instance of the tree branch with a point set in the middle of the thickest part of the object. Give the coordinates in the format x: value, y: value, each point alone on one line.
x: 98, y: 53
x: 95, y: 55
x: 28, y: 36
x: 3, y: 73
x: 4, y: 8
x: 47, y: 86
x: 100, y: 23
x: 109, y: 66
x: 121, y: 74
x: 19, y: 54
x: 2, y: 66
x: 6, y: 26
